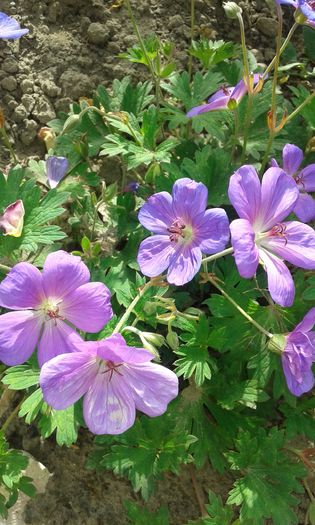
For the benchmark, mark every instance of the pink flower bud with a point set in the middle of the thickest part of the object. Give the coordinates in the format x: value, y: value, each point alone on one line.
x: 12, y: 219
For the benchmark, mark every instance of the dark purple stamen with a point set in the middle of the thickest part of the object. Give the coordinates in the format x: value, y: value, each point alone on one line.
x: 176, y: 230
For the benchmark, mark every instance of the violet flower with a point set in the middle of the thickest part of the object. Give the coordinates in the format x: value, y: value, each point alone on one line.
x: 292, y: 157
x: 56, y: 169
x: 12, y: 219
x: 261, y: 236
x: 298, y: 356
x: 115, y: 380
x: 48, y: 304
x: 305, y: 10
x: 183, y: 229
x: 225, y: 98
x: 10, y: 28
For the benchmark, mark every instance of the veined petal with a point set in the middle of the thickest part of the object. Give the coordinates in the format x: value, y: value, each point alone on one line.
x: 63, y: 273
x: 304, y: 207
x: 115, y: 349
x: 215, y: 103
x: 22, y: 287
x: 280, y: 282
x: 153, y: 387
x: 239, y: 91
x: 289, y: 2
x: 156, y: 215
x: 108, y: 406
x: 296, y: 245
x: 19, y: 333
x: 56, y: 169
x: 184, y: 264
x: 189, y: 199
x: 279, y: 194
x: 10, y: 28
x: 307, y: 9
x: 297, y: 364
x: 244, y: 192
x: 292, y: 157
x: 212, y: 230
x: 154, y: 254
x: 66, y: 378
x: 307, y: 176
x: 245, y: 250
x: 307, y: 322
x: 57, y: 338
x: 222, y: 93
x: 88, y: 307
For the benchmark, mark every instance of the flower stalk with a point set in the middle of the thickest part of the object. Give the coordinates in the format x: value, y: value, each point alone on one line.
x: 218, y: 255
x: 130, y: 308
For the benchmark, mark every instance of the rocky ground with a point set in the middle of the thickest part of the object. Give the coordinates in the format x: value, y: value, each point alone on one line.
x: 72, y: 47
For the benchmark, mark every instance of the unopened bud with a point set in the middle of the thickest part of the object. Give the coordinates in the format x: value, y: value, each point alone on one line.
x: 48, y: 136
x: 156, y: 339
x: 12, y: 219
x: 277, y: 343
x: 232, y: 10
x: 172, y: 340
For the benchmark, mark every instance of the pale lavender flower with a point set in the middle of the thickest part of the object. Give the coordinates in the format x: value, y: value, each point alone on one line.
x: 48, y: 305
x: 56, y: 169
x: 12, y: 219
x: 292, y: 158
x: 115, y: 380
x: 306, y: 8
x: 183, y: 229
x: 225, y: 98
x: 260, y: 235
x: 10, y: 28
x: 298, y: 356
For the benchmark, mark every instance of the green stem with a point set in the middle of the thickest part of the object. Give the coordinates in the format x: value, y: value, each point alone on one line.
x: 301, y: 106
x: 247, y: 124
x: 192, y: 30
x: 240, y: 309
x: 283, y: 47
x: 244, y: 50
x: 267, y: 151
x: 227, y: 251
x: 127, y: 313
x: 10, y: 418
x: 235, y: 135
x: 8, y: 144
x: 4, y: 268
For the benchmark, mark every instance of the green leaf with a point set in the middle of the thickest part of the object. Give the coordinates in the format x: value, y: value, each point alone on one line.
x: 138, y: 515
x: 211, y: 52
x: 65, y: 422
x: 21, y: 377
x: 32, y: 406
x: 219, y: 514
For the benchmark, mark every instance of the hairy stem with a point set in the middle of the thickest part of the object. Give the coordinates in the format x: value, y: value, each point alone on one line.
x: 239, y: 308
x: 283, y: 47
x: 10, y: 418
x: 4, y: 268
x: 247, y: 124
x: 244, y: 50
x: 192, y: 30
x: 198, y: 492
x: 127, y: 313
x: 301, y: 106
x: 218, y: 255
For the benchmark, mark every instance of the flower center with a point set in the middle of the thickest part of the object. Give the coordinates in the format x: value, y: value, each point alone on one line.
x: 278, y: 231
x: 180, y: 231
x: 311, y: 4
x: 50, y: 309
x: 108, y: 367
x: 298, y: 177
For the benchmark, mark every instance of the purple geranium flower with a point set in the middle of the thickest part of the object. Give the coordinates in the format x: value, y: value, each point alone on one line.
x: 225, y: 98
x: 298, y: 356
x: 292, y: 157
x: 115, y: 380
x: 261, y: 236
x: 306, y: 8
x: 183, y: 230
x: 10, y: 28
x: 48, y: 304
x: 56, y: 169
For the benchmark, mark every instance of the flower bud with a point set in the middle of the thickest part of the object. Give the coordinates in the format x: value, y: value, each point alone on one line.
x: 172, y: 340
x: 277, y: 343
x: 232, y: 10
x: 12, y: 219
x: 156, y: 339
x: 48, y: 136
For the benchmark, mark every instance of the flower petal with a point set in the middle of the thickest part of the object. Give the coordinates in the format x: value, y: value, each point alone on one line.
x: 108, y: 406
x: 57, y: 338
x: 219, y: 102
x: 245, y: 250
x: 153, y: 387
x: 292, y: 158
x: 63, y: 273
x: 12, y: 219
x: 88, y: 307
x: 154, y: 255
x: 297, y: 364
x: 280, y: 282
x: 212, y: 230
x: 296, y: 245
x: 307, y: 176
x: 184, y: 264
x: 22, y: 287
x: 10, y: 28
x: 19, y: 333
x: 244, y: 192
x: 279, y: 194
x: 156, y: 215
x: 115, y: 349
x: 56, y: 169
x: 66, y: 378
x: 304, y: 208
x: 189, y: 199
x: 307, y: 322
